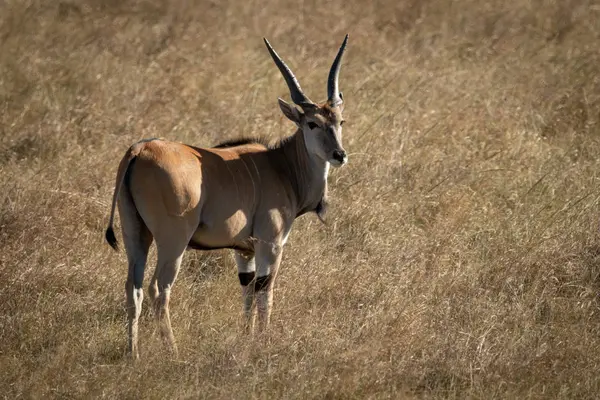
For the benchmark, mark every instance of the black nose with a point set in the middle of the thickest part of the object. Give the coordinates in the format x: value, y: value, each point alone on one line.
x: 339, y: 155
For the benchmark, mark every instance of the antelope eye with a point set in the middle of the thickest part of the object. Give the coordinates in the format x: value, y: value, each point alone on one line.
x: 312, y: 125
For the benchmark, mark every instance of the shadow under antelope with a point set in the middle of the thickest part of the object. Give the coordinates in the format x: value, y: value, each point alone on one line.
x: 240, y: 195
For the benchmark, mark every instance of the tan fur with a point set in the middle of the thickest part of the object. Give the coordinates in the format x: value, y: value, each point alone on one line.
x: 244, y: 198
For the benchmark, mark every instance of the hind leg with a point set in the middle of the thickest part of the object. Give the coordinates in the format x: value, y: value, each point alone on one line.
x: 167, y: 268
x: 137, y: 239
x: 246, y: 272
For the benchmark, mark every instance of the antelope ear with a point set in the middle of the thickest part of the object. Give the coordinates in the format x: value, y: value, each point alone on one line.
x: 291, y: 112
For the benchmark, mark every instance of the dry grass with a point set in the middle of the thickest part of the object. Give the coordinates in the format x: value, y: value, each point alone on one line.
x: 463, y: 256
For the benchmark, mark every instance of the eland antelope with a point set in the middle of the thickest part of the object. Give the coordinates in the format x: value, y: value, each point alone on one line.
x: 240, y: 195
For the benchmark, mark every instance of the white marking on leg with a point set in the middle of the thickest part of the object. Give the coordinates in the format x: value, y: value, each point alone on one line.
x: 268, y: 257
x: 246, y: 265
x: 167, y: 268
x: 264, y: 304
x: 285, y: 238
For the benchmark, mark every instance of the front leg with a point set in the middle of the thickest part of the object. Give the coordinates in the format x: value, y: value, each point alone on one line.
x: 268, y: 258
x: 246, y: 272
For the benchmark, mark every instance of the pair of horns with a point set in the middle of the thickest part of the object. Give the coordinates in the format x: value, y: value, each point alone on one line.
x: 334, y: 97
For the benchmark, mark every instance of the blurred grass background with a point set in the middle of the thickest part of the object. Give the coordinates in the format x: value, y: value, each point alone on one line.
x: 462, y: 258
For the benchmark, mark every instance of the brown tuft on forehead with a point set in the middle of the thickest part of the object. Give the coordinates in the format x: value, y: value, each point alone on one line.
x: 331, y: 113
x: 327, y: 109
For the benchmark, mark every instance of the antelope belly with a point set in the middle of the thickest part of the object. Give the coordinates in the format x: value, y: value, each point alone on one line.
x: 227, y: 232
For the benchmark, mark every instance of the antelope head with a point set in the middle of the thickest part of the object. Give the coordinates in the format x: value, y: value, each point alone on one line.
x: 321, y: 124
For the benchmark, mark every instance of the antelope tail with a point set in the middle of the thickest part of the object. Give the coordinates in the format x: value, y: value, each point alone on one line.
x: 121, y: 174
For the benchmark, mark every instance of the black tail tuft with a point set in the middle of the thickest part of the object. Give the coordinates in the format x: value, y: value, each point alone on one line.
x: 110, y: 238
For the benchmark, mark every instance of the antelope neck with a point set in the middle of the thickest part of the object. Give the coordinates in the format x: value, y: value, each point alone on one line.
x: 305, y: 173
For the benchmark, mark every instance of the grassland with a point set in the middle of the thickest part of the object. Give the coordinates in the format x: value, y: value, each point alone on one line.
x: 462, y: 258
